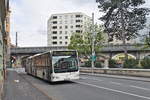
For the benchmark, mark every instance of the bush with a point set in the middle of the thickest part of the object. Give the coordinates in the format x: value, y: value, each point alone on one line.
x: 88, y: 64
x: 131, y: 63
x: 145, y: 63
x: 112, y: 63
x: 98, y: 64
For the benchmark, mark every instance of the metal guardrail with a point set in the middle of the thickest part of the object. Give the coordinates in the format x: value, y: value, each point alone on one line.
x: 118, y: 71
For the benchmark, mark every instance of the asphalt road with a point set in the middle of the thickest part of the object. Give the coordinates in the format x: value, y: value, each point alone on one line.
x: 93, y: 88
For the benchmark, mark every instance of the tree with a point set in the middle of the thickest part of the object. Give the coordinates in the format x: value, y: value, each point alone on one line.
x: 112, y: 63
x: 75, y: 42
x: 131, y: 63
x: 144, y: 38
x: 83, y: 41
x: 147, y: 39
x: 147, y: 42
x: 146, y: 63
x: 123, y: 19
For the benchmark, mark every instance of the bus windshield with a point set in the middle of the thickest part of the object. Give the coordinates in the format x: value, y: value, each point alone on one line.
x: 64, y: 64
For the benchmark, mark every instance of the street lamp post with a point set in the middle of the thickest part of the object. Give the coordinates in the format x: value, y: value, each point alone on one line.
x: 93, y: 41
x: 16, y: 39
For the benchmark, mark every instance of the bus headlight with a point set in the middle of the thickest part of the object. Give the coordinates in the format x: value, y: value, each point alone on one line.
x: 55, y: 77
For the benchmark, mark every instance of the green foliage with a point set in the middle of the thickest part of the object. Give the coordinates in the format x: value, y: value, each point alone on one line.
x: 147, y: 42
x: 98, y: 64
x: 123, y: 18
x: 112, y: 63
x: 88, y: 64
x: 76, y: 41
x: 145, y: 63
x: 131, y: 63
x: 82, y: 42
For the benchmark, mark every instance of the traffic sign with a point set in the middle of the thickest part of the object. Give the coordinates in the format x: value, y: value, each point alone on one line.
x: 93, y: 58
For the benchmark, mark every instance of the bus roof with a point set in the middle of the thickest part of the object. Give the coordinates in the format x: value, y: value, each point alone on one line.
x: 36, y: 55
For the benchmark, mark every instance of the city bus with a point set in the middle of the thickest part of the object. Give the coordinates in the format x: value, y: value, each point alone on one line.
x: 54, y: 65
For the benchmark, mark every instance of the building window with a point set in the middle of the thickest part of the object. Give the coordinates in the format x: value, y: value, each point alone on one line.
x: 71, y: 21
x: 60, y: 22
x: 66, y: 16
x: 60, y: 37
x: 54, y: 37
x: 54, y: 22
x: 60, y: 17
x: 66, y: 22
x: 66, y: 37
x: 54, y: 17
x: 78, y: 16
x: 60, y: 32
x: 71, y: 31
x: 60, y: 27
x: 66, y: 42
x: 54, y: 32
x: 54, y: 27
x: 77, y: 21
x: 54, y: 42
x: 78, y: 26
x: 60, y: 42
x: 66, y: 32
x: 71, y: 16
x: 78, y: 31
x: 66, y: 26
x: 71, y: 26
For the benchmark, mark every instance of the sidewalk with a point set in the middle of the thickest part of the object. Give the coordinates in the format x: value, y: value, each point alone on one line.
x: 17, y: 88
x: 120, y: 77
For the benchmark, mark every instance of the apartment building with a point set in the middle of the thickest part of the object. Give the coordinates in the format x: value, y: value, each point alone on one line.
x: 61, y: 26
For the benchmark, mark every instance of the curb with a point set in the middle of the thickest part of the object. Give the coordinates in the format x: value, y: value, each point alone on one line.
x: 119, y: 77
x: 40, y: 90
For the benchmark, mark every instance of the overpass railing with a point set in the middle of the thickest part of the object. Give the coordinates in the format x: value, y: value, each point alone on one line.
x: 105, y: 48
x: 34, y: 49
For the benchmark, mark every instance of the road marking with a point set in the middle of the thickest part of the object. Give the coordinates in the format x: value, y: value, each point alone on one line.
x: 140, y: 88
x: 116, y: 83
x: 131, y: 94
x: 91, y: 79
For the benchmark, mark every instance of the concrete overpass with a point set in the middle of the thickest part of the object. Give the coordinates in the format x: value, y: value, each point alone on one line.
x: 108, y: 50
x: 20, y: 52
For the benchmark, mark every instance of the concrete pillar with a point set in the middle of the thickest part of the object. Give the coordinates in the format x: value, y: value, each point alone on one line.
x: 106, y: 64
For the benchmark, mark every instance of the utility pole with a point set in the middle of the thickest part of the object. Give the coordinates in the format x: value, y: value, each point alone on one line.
x: 93, y: 41
x: 16, y: 39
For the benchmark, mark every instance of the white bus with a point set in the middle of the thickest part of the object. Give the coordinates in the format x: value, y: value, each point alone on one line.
x: 54, y: 65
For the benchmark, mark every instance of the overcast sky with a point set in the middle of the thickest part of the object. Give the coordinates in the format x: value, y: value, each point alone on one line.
x: 29, y: 17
